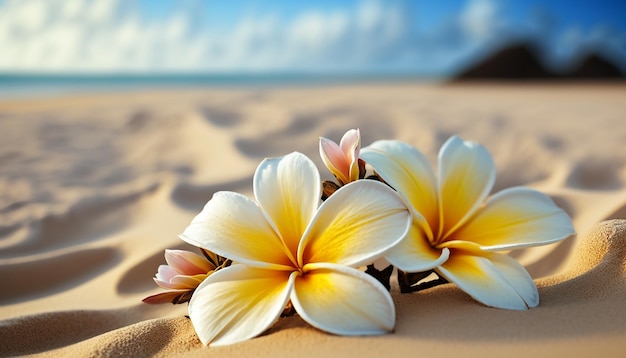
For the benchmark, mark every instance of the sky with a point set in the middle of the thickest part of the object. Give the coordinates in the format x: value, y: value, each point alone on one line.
x: 423, y: 37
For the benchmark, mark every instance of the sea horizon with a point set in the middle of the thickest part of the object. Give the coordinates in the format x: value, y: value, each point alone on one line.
x: 26, y: 85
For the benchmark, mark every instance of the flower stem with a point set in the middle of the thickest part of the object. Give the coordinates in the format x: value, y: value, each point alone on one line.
x: 383, y: 276
x: 410, y: 281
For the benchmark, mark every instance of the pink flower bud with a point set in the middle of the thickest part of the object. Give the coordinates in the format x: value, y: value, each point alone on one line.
x: 342, y: 160
x: 184, y: 271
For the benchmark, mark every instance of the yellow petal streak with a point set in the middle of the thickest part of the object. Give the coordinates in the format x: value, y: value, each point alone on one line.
x: 342, y: 300
x: 415, y: 253
x: 233, y: 226
x: 407, y: 170
x: 182, y: 282
x: 481, y: 279
x: 288, y: 189
x: 238, y: 303
x: 515, y: 218
x: 466, y: 175
x: 359, y: 222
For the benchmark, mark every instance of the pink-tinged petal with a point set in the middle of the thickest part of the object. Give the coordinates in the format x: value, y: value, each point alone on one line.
x: 187, y: 262
x: 342, y: 300
x: 482, y: 280
x: 334, y: 159
x: 415, y: 254
x: 165, y: 284
x: 357, y: 224
x: 164, y: 277
x: 165, y: 272
x: 288, y: 189
x: 350, y: 145
x: 187, y: 282
x: 233, y: 226
x: 516, y: 218
x: 466, y: 175
x: 407, y: 170
x: 238, y: 303
x: 163, y: 297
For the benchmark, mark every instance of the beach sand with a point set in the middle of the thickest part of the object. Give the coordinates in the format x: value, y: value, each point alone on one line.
x: 94, y: 188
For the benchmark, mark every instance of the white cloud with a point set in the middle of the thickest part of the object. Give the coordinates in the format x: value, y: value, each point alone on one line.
x: 119, y: 35
x: 480, y: 18
x: 105, y: 35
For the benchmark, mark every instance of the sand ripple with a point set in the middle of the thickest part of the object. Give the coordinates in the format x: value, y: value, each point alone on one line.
x: 93, y: 189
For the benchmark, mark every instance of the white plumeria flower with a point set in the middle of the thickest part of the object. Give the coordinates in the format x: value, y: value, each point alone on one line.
x: 457, y: 229
x: 288, y: 247
x: 342, y: 159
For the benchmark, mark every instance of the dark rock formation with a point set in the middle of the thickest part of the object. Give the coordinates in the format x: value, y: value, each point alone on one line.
x: 521, y: 62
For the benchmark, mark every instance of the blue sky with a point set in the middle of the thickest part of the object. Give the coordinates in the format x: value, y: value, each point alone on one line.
x: 422, y: 37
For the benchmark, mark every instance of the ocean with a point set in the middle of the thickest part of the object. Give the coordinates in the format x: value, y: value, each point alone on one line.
x: 41, y: 85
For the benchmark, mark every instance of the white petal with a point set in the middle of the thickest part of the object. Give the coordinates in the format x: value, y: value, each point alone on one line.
x: 483, y: 280
x: 238, y: 303
x: 517, y: 276
x: 466, y: 175
x: 233, y: 226
x: 407, y: 170
x: 342, y: 300
x: 357, y: 224
x: 415, y: 254
x: 516, y: 218
x: 288, y: 189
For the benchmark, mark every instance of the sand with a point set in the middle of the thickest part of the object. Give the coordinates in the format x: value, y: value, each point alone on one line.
x: 94, y: 187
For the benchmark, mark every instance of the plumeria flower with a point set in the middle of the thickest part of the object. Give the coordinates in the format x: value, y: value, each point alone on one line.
x: 343, y: 160
x: 458, y: 230
x: 183, y: 273
x: 288, y: 248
